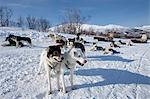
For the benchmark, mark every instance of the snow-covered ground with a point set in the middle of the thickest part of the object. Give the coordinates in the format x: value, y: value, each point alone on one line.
x: 119, y: 76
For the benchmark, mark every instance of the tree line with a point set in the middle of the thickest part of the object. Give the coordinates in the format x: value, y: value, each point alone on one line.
x: 71, y: 22
x: 31, y: 22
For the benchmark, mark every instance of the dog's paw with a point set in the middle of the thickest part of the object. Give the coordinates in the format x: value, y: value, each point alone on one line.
x: 49, y: 92
x: 63, y: 91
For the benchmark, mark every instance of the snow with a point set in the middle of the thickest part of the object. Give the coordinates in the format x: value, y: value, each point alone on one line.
x: 118, y: 76
x: 111, y: 27
x: 98, y: 28
x: 147, y: 28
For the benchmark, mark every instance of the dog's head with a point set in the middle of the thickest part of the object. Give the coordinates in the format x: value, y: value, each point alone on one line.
x: 54, y: 52
x: 9, y: 37
x: 51, y: 35
x: 14, y: 38
x: 78, y: 55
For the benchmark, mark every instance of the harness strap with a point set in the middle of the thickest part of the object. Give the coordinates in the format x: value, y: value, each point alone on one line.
x: 67, y: 65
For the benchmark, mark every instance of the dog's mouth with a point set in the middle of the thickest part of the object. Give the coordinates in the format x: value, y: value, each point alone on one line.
x: 79, y: 63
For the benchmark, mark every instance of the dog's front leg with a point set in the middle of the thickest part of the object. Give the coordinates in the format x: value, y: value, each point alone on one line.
x: 58, y: 80
x: 71, y: 79
x: 48, y: 69
x: 63, y: 83
x: 17, y: 44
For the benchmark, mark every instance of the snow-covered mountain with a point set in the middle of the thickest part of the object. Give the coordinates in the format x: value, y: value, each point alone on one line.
x: 98, y: 28
x: 111, y: 27
x: 5, y: 31
x: 146, y: 28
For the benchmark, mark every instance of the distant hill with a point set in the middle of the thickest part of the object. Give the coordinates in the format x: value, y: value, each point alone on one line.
x: 118, y: 29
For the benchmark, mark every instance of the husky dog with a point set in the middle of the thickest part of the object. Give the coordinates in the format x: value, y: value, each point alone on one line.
x: 63, y: 44
x: 123, y: 43
x: 96, y: 48
x: 12, y: 42
x: 52, y: 36
x: 71, y: 41
x: 55, y: 37
x: 110, y: 51
x: 61, y: 63
x: 61, y: 40
x: 129, y: 42
x: 79, y: 39
x: 143, y: 39
x: 19, y: 39
x: 112, y: 44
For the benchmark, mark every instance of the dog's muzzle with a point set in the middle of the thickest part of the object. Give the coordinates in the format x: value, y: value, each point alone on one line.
x: 81, y: 63
x: 59, y: 60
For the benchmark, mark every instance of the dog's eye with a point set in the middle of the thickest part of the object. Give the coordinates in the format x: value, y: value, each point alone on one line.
x: 75, y: 54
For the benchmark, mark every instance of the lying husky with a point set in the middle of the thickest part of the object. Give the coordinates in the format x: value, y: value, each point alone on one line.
x: 112, y: 44
x: 19, y: 39
x: 123, y: 43
x: 110, y: 51
x: 60, y: 63
x: 12, y: 42
x: 96, y: 48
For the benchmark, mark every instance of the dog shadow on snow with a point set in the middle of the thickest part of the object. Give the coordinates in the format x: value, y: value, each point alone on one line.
x: 112, y: 76
x: 108, y: 58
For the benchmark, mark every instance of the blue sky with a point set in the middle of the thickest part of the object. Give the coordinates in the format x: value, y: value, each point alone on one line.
x: 102, y: 12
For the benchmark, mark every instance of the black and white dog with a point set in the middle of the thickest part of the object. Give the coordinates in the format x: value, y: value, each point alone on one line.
x: 78, y: 40
x: 96, y: 48
x: 123, y: 43
x: 19, y: 39
x: 11, y: 42
x: 112, y: 44
x: 110, y: 51
x: 52, y: 60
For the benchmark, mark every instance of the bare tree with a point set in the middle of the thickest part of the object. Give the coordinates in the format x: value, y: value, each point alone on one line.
x: 73, y: 20
x: 43, y: 24
x: 31, y: 21
x: 20, y: 22
x: 5, y: 16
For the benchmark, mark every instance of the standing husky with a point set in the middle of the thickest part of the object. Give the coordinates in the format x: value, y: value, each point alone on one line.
x: 60, y: 64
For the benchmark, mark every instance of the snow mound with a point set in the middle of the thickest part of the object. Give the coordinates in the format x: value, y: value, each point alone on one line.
x: 5, y: 31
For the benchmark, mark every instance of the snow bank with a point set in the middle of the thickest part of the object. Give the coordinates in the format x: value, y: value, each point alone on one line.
x: 5, y: 31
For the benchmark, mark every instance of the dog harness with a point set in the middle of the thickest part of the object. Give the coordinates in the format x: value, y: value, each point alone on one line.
x: 67, y: 65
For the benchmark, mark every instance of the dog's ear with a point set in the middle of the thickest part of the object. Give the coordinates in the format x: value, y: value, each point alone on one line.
x: 11, y: 35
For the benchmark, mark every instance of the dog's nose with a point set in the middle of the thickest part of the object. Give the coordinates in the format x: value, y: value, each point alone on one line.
x: 85, y: 61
